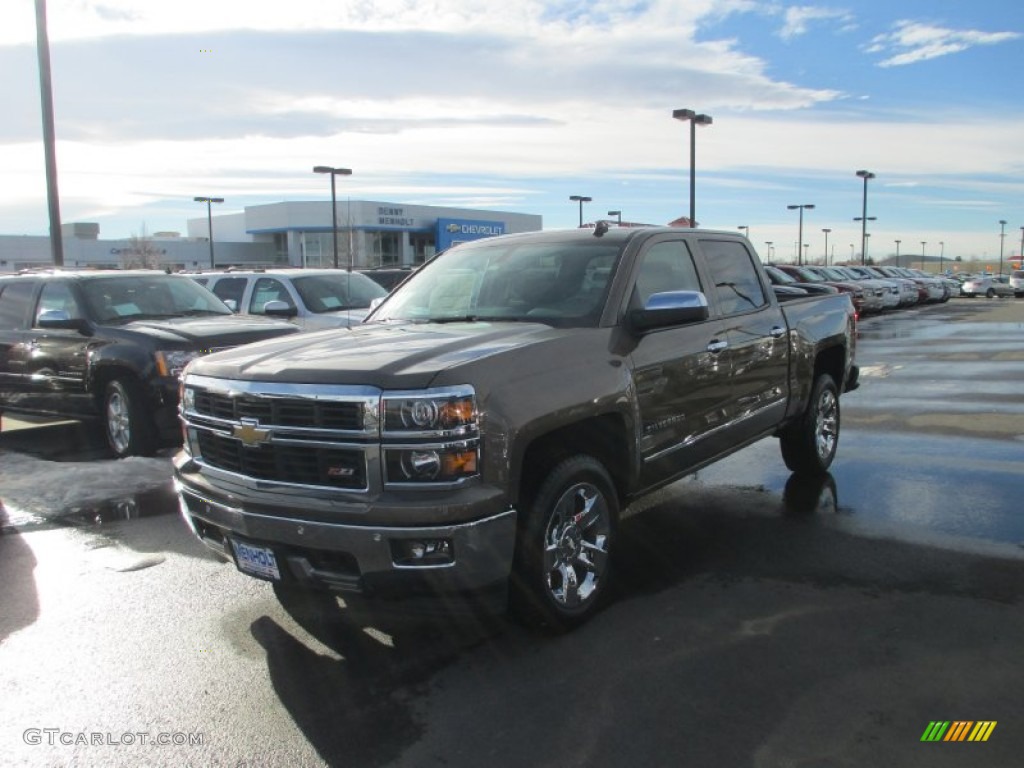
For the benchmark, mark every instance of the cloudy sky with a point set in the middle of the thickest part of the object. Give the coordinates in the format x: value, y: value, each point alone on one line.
x: 512, y: 105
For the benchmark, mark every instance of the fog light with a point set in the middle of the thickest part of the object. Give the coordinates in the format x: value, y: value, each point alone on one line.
x: 421, y: 552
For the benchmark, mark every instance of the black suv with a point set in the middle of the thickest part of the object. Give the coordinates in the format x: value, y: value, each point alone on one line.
x: 110, y: 345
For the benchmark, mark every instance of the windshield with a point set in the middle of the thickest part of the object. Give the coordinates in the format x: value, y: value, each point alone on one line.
x: 779, y: 277
x: 338, y: 291
x: 123, y: 298
x: 558, y: 283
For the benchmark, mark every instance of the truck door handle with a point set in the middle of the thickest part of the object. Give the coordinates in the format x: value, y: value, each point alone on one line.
x: 776, y: 332
x: 716, y: 346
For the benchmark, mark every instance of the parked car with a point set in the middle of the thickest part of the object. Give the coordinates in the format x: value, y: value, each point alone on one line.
x: 313, y: 299
x: 804, y: 274
x: 910, y: 292
x: 781, y: 279
x: 110, y: 346
x: 989, y: 287
x: 1017, y: 282
x: 887, y: 290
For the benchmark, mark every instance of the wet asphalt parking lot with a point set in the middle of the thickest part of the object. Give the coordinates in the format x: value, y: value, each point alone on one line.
x: 759, y: 621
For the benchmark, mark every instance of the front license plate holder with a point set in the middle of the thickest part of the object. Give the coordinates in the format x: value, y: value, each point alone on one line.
x: 256, y: 560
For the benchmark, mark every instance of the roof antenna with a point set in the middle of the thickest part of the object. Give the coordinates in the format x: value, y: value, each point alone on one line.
x: 600, y: 228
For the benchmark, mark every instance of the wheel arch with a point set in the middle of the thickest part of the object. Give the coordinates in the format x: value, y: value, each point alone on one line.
x: 605, y: 437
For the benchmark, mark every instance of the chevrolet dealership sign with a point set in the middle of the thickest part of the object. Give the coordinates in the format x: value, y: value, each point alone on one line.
x: 454, y: 231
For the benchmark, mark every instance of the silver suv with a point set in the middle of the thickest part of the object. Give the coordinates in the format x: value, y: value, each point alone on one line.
x: 313, y: 299
x: 1017, y: 282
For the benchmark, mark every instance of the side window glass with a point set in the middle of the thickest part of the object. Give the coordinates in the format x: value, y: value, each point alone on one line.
x: 268, y: 289
x: 56, y: 297
x: 230, y: 288
x: 737, y: 284
x: 15, y: 304
x: 665, y: 267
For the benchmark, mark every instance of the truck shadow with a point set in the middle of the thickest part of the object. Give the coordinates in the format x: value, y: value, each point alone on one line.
x: 355, y: 699
x: 17, y: 581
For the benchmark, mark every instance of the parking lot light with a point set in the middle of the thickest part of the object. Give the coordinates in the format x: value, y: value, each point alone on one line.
x: 694, y: 120
x: 581, y: 199
x: 1002, y: 241
x: 334, y: 207
x: 800, y: 238
x: 864, y: 214
x: 209, y: 220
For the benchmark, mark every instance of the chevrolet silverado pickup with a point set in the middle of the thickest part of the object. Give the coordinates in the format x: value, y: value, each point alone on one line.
x: 108, y: 346
x: 480, y: 432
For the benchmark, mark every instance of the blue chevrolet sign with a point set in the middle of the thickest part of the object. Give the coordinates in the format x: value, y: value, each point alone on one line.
x: 454, y: 231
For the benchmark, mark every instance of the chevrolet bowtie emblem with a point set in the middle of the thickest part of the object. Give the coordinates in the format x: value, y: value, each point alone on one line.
x: 250, y: 433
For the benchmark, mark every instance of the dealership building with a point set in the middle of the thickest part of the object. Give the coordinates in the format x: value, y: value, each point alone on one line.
x: 367, y: 233
x: 362, y: 233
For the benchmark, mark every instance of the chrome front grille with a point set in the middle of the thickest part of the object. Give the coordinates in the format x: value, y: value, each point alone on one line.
x: 280, y: 411
x: 292, y: 464
x: 323, y: 437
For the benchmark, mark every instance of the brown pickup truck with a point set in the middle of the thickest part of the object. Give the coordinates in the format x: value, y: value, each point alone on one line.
x: 479, y: 434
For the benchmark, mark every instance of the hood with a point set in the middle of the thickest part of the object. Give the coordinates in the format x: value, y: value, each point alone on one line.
x: 210, y: 331
x: 389, y: 356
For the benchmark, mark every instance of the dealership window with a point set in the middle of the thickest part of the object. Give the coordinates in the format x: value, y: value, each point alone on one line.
x: 423, y: 247
x: 387, y: 248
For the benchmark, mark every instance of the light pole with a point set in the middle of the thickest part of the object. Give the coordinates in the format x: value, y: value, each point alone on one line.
x: 898, y: 252
x: 1002, y: 240
x: 769, y: 244
x: 864, y: 214
x: 863, y: 237
x: 746, y: 230
x: 694, y: 120
x: 923, y: 244
x: 581, y: 199
x: 209, y: 220
x: 618, y: 215
x: 826, y: 230
x: 334, y: 207
x: 942, y: 253
x: 801, y: 207
x: 1022, y: 247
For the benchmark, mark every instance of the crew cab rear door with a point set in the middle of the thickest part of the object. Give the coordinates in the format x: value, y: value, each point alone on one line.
x: 679, y: 373
x: 757, y: 334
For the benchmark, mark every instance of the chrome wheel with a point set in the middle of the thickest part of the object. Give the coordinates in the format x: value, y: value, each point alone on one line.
x: 826, y: 429
x: 576, y: 545
x: 119, y: 422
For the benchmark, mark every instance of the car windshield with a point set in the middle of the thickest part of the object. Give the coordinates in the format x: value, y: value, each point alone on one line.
x: 124, y: 298
x: 336, y: 292
x: 557, y: 283
x: 778, y: 276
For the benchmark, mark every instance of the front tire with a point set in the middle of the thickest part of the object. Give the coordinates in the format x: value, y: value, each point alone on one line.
x: 129, y: 428
x: 562, y: 567
x: 809, y: 445
x: 990, y: 293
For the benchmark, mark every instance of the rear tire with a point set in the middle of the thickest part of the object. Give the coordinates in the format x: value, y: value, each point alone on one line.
x: 562, y: 566
x: 809, y: 445
x: 990, y: 293
x: 128, y: 426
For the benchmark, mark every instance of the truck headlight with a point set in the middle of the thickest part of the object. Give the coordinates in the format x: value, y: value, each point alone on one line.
x: 430, y: 412
x: 430, y: 435
x: 444, y: 464
x: 172, y: 362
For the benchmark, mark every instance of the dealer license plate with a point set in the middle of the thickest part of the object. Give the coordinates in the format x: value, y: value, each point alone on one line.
x: 256, y: 561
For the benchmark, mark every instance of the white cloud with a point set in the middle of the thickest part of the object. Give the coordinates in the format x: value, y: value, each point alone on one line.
x: 798, y: 19
x: 911, y: 42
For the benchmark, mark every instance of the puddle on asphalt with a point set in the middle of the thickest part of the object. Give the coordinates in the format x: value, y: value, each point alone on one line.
x: 148, y: 503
